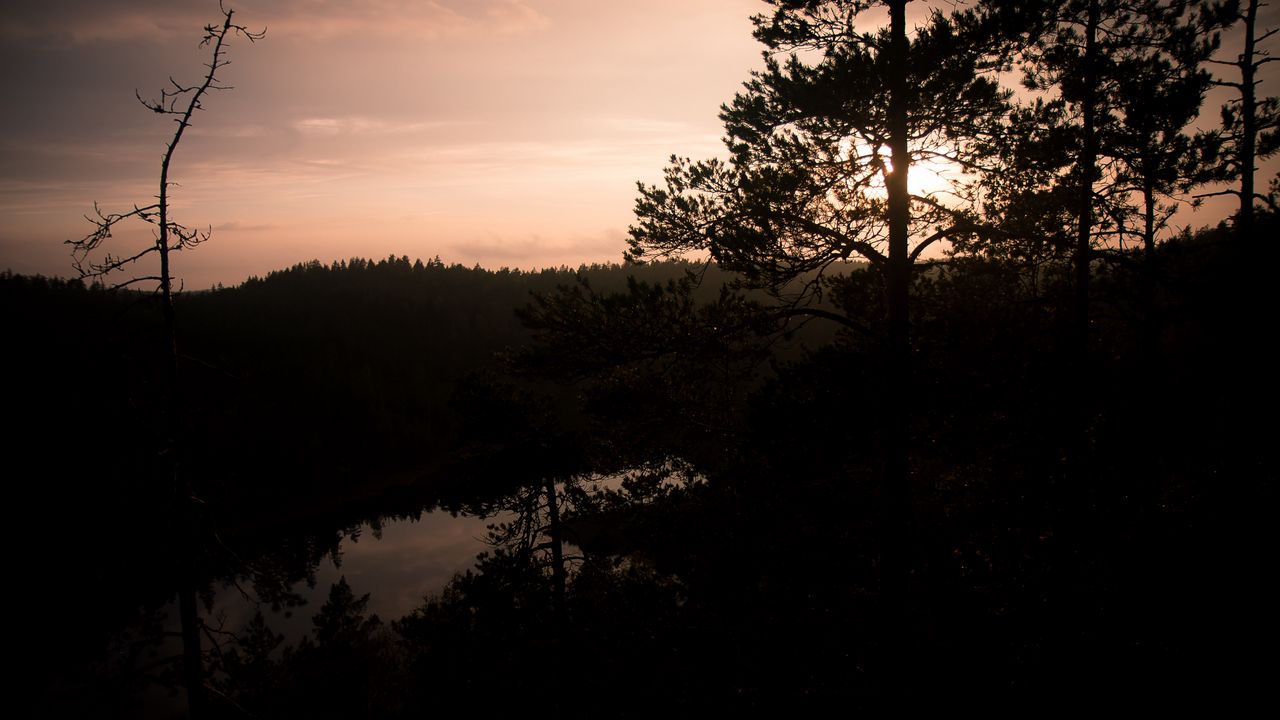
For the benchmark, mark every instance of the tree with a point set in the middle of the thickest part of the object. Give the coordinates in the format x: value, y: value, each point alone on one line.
x: 1251, y: 127
x: 1100, y: 156
x: 516, y: 453
x: 1116, y: 83
x: 822, y: 143
x: 1161, y: 87
x: 178, y: 102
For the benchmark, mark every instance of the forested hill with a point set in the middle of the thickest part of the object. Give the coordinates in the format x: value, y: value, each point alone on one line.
x: 302, y: 395
x: 319, y: 377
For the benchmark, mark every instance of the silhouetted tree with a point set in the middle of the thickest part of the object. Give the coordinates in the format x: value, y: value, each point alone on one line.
x: 179, y: 102
x: 821, y: 145
x: 351, y: 666
x: 1161, y: 86
x: 516, y: 451
x: 1250, y: 125
x: 1103, y: 144
x: 1116, y: 83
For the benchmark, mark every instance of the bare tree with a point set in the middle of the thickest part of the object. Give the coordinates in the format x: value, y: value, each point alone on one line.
x: 180, y: 102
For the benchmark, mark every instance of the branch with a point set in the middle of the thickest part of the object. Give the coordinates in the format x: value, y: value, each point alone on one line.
x: 1217, y: 193
x: 157, y: 663
x: 131, y: 281
x: 865, y: 249
x: 784, y: 313
x: 110, y: 264
x: 915, y: 254
x: 166, y: 104
x: 227, y: 699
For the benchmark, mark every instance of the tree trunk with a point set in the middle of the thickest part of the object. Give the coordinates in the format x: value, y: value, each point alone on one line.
x: 185, y: 522
x: 1249, y: 122
x: 555, y: 534
x: 895, y: 553
x: 1087, y: 167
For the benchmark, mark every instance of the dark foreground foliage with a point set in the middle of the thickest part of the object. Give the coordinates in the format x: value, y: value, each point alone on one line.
x: 716, y: 499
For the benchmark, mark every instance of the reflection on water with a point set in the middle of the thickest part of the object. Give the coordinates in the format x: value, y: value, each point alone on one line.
x: 411, y: 560
x: 398, y: 567
x: 400, y: 563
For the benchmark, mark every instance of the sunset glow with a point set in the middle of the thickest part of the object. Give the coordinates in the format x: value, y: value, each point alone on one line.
x: 498, y: 132
x: 492, y: 132
x: 379, y: 358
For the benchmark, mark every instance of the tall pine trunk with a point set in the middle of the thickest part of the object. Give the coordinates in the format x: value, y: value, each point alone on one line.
x: 555, y: 537
x: 1087, y: 166
x: 896, y: 554
x: 1249, y: 121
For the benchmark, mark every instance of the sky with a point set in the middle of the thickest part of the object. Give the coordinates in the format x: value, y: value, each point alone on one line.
x: 498, y: 132
x: 492, y: 132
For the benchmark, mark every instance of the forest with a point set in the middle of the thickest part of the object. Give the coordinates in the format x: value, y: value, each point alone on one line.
x: 920, y: 397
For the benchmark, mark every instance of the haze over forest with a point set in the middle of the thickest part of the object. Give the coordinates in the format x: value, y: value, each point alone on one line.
x: 795, y: 356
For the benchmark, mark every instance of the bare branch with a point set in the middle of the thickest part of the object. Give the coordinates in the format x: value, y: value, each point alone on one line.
x: 1217, y: 193
x: 168, y: 103
x: 131, y: 281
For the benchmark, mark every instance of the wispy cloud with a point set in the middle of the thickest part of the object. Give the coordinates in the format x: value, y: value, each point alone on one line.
x: 237, y: 226
x: 562, y: 249
x: 80, y: 22
x: 230, y: 131
x: 76, y: 22
x: 502, y: 131
x: 514, y: 17
x: 358, y: 125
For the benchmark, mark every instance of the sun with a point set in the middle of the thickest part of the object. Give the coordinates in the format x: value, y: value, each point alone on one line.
x: 936, y: 176
x: 933, y: 173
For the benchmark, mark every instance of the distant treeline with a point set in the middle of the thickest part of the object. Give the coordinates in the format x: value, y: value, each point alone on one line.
x: 312, y: 379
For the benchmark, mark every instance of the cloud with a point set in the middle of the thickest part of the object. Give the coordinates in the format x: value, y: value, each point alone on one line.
x: 520, y: 251
x: 515, y: 17
x: 358, y: 125
x: 237, y: 226
x: 79, y: 22
x: 424, y: 19
x: 645, y: 126
x: 230, y: 131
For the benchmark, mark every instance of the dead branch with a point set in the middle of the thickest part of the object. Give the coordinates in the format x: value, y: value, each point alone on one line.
x: 179, y: 100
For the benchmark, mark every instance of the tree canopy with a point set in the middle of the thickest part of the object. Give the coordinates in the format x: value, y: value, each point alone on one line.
x: 814, y: 140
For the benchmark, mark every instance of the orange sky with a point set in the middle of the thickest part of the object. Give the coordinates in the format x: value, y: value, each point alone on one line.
x: 498, y: 132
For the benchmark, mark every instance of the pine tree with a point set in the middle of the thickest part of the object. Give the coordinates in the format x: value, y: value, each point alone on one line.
x: 822, y: 143
x: 1250, y: 125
